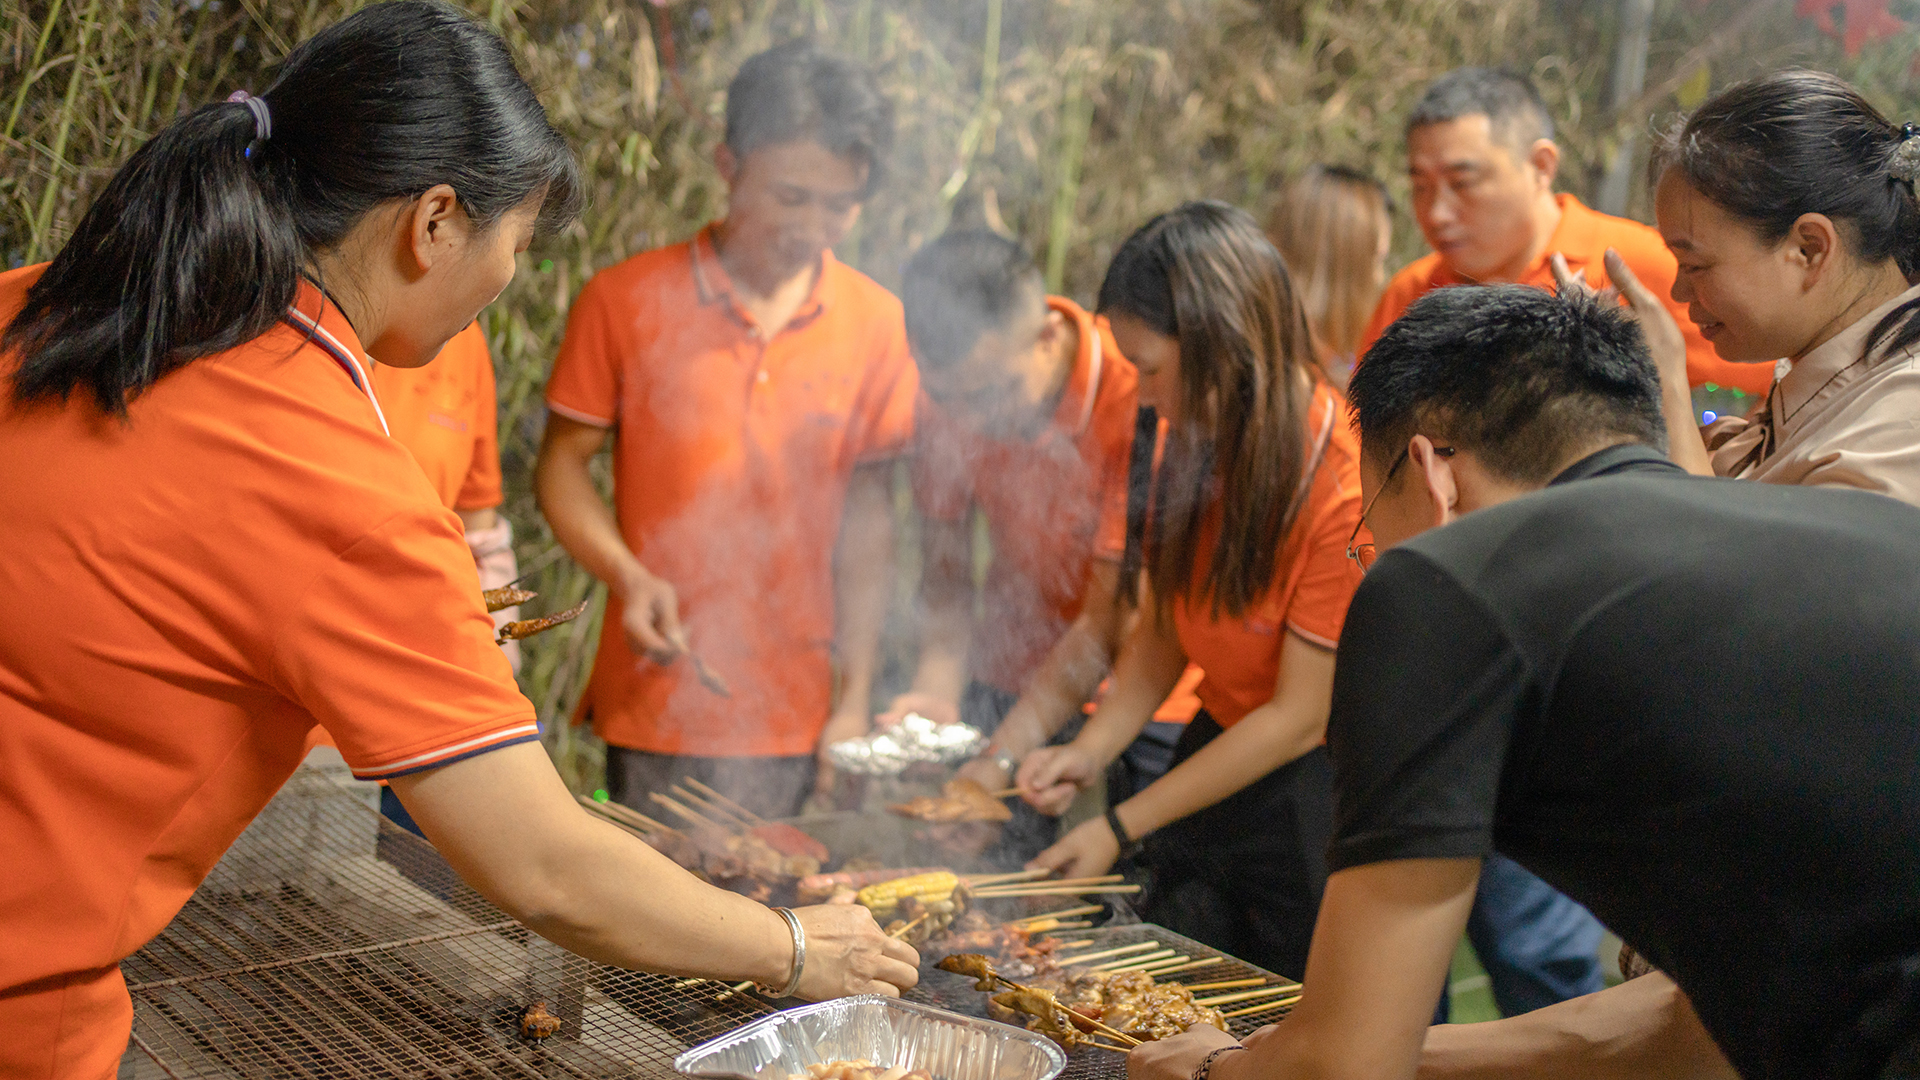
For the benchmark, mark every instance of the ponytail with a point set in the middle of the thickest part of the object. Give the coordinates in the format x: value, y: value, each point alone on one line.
x: 197, y: 244
x: 1804, y: 142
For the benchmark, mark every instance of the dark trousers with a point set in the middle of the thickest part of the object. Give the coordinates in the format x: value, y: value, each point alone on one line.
x: 1539, y: 947
x: 772, y: 787
x: 1246, y: 874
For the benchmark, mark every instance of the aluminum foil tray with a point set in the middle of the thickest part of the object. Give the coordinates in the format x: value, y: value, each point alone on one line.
x: 915, y: 740
x: 885, y: 1031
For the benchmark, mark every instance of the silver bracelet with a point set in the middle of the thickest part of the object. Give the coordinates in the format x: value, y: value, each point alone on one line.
x: 799, y: 956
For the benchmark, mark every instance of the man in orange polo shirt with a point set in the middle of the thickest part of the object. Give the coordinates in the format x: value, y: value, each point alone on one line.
x: 757, y: 391
x: 1027, y: 414
x: 1481, y: 155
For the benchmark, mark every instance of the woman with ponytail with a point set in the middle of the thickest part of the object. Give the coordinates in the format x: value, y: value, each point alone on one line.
x: 1789, y: 203
x: 1245, y: 572
x: 213, y: 544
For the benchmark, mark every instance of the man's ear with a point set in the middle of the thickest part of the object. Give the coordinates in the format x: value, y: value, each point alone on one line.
x: 727, y: 162
x: 436, y: 227
x: 1436, y: 478
x: 1813, y: 245
x: 1544, y: 156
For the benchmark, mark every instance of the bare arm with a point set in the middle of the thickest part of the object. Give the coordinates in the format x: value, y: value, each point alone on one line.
x: 506, y: 823
x: 1072, y: 670
x: 1643, y: 1029
x: 863, y: 580
x: 946, y: 623
x: 585, y: 526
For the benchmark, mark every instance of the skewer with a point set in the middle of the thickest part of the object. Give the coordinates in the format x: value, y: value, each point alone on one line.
x: 1205, y: 961
x: 1058, y: 945
x: 1097, y: 1025
x: 1227, y: 984
x: 678, y: 808
x: 977, y: 880
x: 1161, y: 954
x: 902, y: 932
x: 1048, y: 925
x: 696, y: 785
x: 1054, y: 883
x: 623, y: 812
x: 1089, y: 909
x: 1246, y: 995
x: 1121, y: 951
x: 1053, y: 890
x: 738, y: 988
x: 1263, y: 1007
x: 1148, y: 966
x: 1107, y: 1046
x: 608, y: 813
x: 721, y: 814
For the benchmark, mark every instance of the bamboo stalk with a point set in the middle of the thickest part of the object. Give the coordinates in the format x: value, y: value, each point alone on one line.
x: 1121, y: 951
x: 1262, y: 1007
x: 1246, y: 995
x: 32, y: 70
x: 43, y: 218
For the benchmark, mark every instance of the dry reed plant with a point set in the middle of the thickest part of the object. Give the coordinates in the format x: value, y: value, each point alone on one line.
x: 1067, y: 122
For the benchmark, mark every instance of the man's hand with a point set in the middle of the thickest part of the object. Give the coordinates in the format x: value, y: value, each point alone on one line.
x: 651, y: 617
x: 848, y: 954
x: 1088, y: 851
x: 1178, y: 1057
x: 935, y: 708
x: 1052, y: 776
x: 843, y: 725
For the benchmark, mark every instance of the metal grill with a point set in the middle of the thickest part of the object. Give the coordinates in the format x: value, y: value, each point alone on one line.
x: 329, y: 943
x: 956, y: 992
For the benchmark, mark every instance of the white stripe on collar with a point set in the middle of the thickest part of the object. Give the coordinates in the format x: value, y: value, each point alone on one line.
x: 346, y: 356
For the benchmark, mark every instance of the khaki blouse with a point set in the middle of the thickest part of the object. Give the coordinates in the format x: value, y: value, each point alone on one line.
x: 1834, y: 419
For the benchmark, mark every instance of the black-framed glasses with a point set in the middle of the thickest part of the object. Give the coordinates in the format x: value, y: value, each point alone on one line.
x: 1364, y: 554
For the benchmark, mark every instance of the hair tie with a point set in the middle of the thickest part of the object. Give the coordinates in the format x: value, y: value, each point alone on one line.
x: 262, y: 117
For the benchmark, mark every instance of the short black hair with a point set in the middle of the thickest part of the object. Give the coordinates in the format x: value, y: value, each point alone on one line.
x: 961, y: 285
x: 1514, y: 109
x: 800, y: 91
x: 1517, y: 375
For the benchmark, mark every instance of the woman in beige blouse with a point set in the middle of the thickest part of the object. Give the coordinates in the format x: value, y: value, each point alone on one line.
x: 1789, y: 203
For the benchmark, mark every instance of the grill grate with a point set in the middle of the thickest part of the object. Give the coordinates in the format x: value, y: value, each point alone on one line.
x: 329, y: 943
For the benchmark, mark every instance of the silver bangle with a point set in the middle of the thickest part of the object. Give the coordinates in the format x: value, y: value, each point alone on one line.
x: 799, y: 956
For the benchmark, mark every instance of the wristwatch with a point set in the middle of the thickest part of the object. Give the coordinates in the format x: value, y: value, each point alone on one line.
x: 1006, y: 762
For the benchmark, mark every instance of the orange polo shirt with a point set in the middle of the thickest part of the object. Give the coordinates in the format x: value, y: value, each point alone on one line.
x: 189, y: 593
x: 1583, y: 237
x: 1053, y: 504
x: 732, y: 458
x: 1313, y: 579
x: 446, y: 414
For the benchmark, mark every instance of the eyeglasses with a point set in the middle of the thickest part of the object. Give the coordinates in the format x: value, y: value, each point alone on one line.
x: 1364, y: 554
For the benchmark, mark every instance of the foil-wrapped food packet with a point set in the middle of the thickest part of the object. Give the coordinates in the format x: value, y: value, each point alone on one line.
x: 915, y: 740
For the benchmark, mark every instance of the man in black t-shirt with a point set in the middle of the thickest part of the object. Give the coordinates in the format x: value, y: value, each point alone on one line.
x: 1691, y: 704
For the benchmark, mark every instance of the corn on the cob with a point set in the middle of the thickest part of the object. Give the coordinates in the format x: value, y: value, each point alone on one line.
x: 884, y: 897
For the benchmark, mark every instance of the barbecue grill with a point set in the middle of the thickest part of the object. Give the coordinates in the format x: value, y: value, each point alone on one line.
x: 329, y: 943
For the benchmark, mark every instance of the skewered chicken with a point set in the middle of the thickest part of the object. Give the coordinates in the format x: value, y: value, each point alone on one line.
x: 537, y: 1022
x: 960, y: 800
x: 973, y: 966
x: 861, y: 1069
x: 526, y: 628
x: 1133, y: 1002
x: 504, y: 598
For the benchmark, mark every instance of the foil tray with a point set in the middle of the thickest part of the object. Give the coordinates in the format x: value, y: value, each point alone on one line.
x: 885, y: 1031
x: 915, y: 740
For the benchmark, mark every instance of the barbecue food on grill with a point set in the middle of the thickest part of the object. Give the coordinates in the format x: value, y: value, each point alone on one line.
x: 1132, y: 1002
x: 743, y: 864
x: 788, y: 840
x: 1045, y: 1016
x: 1010, y: 949
x: 537, y: 1022
x: 857, y: 1070
x: 504, y: 598
x: 526, y: 628
x: 816, y: 888
x: 960, y: 800
x: 883, y: 898
x: 973, y: 966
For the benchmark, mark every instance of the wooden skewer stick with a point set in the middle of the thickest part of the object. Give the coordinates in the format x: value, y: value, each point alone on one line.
x: 1148, y: 965
x: 739, y: 988
x: 1097, y: 1025
x: 1089, y: 909
x: 731, y: 821
x: 1107, y: 1046
x: 977, y: 880
x: 1111, y: 964
x: 1059, y: 945
x: 730, y: 804
x: 1207, y: 961
x: 1246, y: 995
x: 628, y: 813
x: 1054, y: 883
x: 1050, y: 925
x: 677, y: 807
x: 1266, y: 1006
x: 1226, y: 984
x: 1121, y: 951
x: 902, y: 932
x: 1050, y: 890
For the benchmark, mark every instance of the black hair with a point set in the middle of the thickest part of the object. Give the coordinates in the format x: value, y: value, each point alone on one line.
x: 1205, y: 275
x: 1804, y: 142
x: 800, y: 91
x: 1513, y: 108
x: 1522, y: 378
x: 199, y: 241
x: 961, y: 285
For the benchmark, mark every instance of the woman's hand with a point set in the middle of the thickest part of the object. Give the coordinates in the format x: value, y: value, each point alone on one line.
x: 1178, y: 1057
x: 847, y: 954
x: 932, y: 706
x: 1052, y: 776
x: 1089, y: 850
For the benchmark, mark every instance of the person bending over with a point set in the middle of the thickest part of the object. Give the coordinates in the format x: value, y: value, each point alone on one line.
x: 1686, y: 702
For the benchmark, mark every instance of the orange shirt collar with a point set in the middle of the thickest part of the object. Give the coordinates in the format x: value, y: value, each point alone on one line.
x: 1090, y: 365
x: 712, y: 283
x: 1579, y: 237
x: 312, y: 312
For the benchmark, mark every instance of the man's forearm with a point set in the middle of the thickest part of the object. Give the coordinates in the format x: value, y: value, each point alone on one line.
x: 579, y: 516
x: 946, y: 601
x: 863, y: 580
x: 1643, y: 1029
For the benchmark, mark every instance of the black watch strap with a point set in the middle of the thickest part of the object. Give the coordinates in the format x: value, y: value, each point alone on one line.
x: 1129, y: 847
